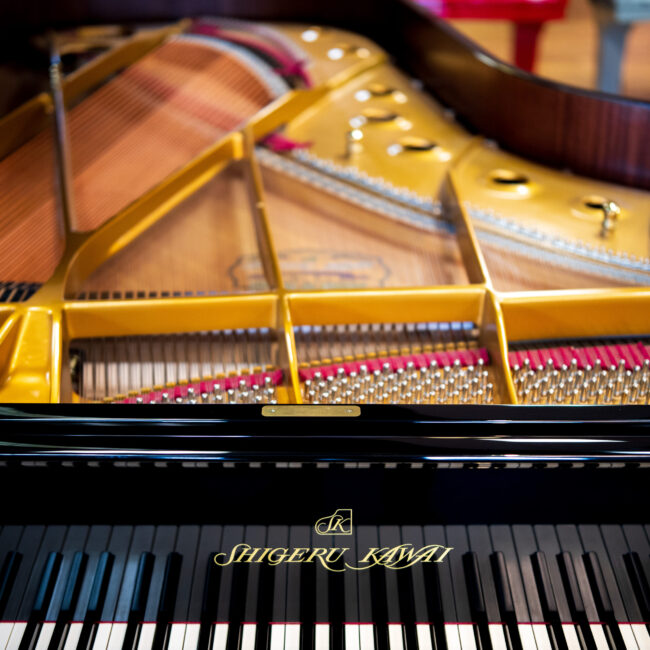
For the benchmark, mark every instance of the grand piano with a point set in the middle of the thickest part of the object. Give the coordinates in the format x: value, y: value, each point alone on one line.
x: 320, y: 329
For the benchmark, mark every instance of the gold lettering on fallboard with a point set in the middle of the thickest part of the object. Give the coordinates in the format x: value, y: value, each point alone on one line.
x: 395, y: 557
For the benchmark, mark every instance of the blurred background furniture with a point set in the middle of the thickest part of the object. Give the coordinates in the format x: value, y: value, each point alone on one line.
x: 615, y: 17
x: 528, y: 17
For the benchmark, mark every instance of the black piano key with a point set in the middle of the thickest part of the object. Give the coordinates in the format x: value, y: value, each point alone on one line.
x: 508, y: 614
x: 372, y: 586
x: 278, y: 537
x: 571, y: 543
x: 119, y: 546
x: 133, y: 590
x: 73, y: 626
x: 434, y: 601
x: 405, y: 579
x: 548, y: 544
x: 573, y: 630
x: 639, y: 582
x: 608, y: 592
x: 476, y: 598
x: 253, y: 629
x: 8, y: 576
x: 350, y: 585
x: 167, y: 598
x: 203, y: 596
x: 298, y: 538
x: 526, y: 546
x: 617, y: 547
x: 209, y: 540
x: 186, y: 546
x: 264, y: 596
x: 325, y: 631
x: 100, y: 584
x: 231, y: 589
x: 141, y: 586
x: 182, y: 635
x: 44, y: 572
x: 457, y: 538
x: 571, y: 587
x: 336, y: 594
x: 46, y: 587
x: 297, y: 599
x: 372, y: 625
x: 442, y: 589
x: 70, y: 573
x: 72, y: 588
x: 11, y: 559
x: 582, y: 604
x: 417, y: 599
x: 503, y: 541
x: 28, y: 546
x: 481, y: 544
x: 163, y: 544
x: 140, y: 543
x: 639, y: 546
x: 322, y: 576
x: 96, y: 597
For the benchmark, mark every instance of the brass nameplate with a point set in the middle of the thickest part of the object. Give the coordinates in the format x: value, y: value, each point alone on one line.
x: 311, y: 411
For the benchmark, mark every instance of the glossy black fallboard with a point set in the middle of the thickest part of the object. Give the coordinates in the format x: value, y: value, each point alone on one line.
x: 417, y: 465
x: 379, y: 433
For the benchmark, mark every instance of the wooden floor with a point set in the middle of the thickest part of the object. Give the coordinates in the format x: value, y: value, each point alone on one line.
x: 567, y: 48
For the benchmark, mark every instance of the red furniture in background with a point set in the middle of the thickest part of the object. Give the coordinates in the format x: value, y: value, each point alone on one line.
x: 527, y: 15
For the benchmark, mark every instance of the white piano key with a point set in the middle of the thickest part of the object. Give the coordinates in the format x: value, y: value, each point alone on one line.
x: 628, y: 636
x: 5, y: 633
x: 452, y: 636
x: 292, y: 636
x: 497, y: 636
x: 641, y: 635
x: 321, y: 636
x: 102, y: 635
x: 277, y: 636
x: 571, y: 636
x: 395, y: 636
x: 191, y: 641
x: 248, y: 632
x: 219, y: 636
x: 44, y: 635
x: 467, y: 637
x: 16, y: 635
x: 352, y: 641
x: 367, y: 636
x: 118, y: 632
x: 176, y: 636
x: 423, y: 633
x: 600, y: 638
x: 72, y: 637
x: 541, y: 637
x: 145, y: 636
x: 527, y: 636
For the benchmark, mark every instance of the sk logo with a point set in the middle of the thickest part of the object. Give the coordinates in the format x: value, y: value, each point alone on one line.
x: 340, y: 523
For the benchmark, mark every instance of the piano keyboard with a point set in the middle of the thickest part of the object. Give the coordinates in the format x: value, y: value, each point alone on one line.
x: 223, y: 367
x: 520, y: 587
x: 582, y: 372
x: 422, y: 363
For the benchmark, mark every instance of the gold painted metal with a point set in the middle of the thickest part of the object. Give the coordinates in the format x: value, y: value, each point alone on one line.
x: 553, y: 202
x: 399, y: 150
x: 311, y: 411
x: 460, y: 171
